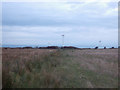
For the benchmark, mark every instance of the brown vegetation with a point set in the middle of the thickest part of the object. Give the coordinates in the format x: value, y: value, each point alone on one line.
x: 52, y: 68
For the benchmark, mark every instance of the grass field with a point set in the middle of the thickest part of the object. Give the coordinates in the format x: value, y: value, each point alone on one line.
x: 69, y: 68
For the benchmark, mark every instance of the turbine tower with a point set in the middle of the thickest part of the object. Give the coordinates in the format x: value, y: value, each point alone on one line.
x: 63, y: 40
x: 100, y: 43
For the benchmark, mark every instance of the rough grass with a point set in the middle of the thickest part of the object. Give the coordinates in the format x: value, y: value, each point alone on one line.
x: 37, y: 68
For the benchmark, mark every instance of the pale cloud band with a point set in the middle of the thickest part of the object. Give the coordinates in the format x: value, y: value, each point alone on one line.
x: 78, y: 36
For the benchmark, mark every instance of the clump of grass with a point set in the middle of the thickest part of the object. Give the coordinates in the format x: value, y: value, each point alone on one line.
x: 6, y: 79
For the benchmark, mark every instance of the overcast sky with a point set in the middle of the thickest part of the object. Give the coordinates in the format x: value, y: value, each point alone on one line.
x: 84, y: 24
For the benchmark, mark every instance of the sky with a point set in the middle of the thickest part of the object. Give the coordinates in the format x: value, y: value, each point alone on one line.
x: 84, y: 24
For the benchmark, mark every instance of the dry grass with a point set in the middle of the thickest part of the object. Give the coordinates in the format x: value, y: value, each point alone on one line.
x: 44, y: 68
x: 23, y: 67
x: 103, y: 61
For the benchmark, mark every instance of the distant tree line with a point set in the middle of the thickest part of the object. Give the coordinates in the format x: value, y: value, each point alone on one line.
x: 55, y: 47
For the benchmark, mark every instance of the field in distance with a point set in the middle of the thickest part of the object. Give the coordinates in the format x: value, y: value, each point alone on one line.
x: 58, y: 68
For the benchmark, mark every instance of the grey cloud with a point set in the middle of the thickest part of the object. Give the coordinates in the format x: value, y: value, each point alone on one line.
x: 50, y: 14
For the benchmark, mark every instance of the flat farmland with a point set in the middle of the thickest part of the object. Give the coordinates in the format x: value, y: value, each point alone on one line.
x: 60, y: 68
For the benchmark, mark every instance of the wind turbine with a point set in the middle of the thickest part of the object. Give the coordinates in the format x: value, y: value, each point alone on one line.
x: 100, y: 43
x: 63, y: 40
